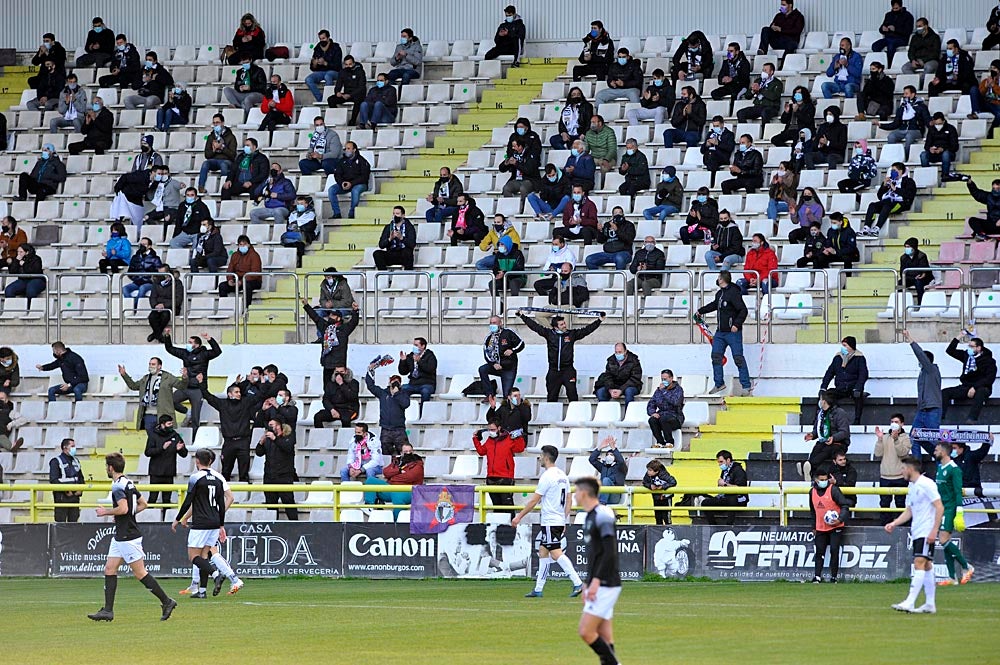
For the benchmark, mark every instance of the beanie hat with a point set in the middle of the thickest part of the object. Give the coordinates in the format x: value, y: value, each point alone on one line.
x: 911, y: 242
x: 148, y: 140
x: 670, y: 170
x: 851, y: 342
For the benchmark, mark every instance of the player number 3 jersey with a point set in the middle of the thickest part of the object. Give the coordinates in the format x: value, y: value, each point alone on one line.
x: 553, y: 487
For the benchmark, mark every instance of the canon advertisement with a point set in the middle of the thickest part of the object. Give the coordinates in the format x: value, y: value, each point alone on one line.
x: 388, y: 551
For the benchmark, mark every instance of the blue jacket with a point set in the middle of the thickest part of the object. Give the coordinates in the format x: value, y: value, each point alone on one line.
x: 119, y: 248
x: 667, y: 403
x: 283, y: 187
x: 392, y: 408
x: 583, y: 171
x: 616, y: 472
x: 140, y: 263
x: 855, y: 65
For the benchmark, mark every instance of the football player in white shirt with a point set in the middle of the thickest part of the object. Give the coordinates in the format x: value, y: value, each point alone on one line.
x: 553, y: 493
x: 924, y: 507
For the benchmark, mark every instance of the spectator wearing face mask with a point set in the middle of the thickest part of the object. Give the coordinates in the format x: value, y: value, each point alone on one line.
x: 99, y: 46
x: 574, y: 120
x: 597, y: 54
x: 164, y: 445
x: 407, y: 62
x: 734, y: 74
x: 302, y: 227
x: 444, y: 197
x: 896, y: 195
x: 876, y: 97
x: 249, y: 41
x: 12, y: 236
x: 249, y: 85
x: 336, y: 337
x: 896, y: 28
x: 166, y: 301
x: 975, y: 384
x: 617, y: 236
x: 553, y: 195
x: 656, y: 101
x: 500, y: 350
x: 143, y: 263
x: 624, y: 80
x: 220, y: 151
x: 830, y: 141
x: 941, y: 146
x: 611, y: 468
x: 340, y: 399
x: 579, y: 219
x: 117, y: 251
x: 72, y: 106
x: 635, y: 167
x: 765, y: 93
x: 760, y: 263
x: 245, y: 264
x: 983, y: 227
x: 717, y: 150
x: 986, y: 96
x: 508, y: 259
x: 165, y: 194
x: 420, y: 366
x: 325, y: 64
x: 732, y: 474
x: 560, y: 342
x: 910, y: 122
x: 529, y: 137
x: 798, y: 115
x: 666, y: 410
x: 687, y: 119
x: 64, y: 469
x: 808, y: 211
x: 622, y: 377
x: 669, y: 196
x: 393, y: 403
x: 277, y: 106
x: 352, y: 175
x: 602, y: 143
x: 27, y: 265
x: 396, y: 244
x: 236, y: 412
x: 568, y: 289
x: 351, y: 87
x: 957, y: 73
x: 783, y: 192
x: 924, y: 52
x: 846, y: 70
x: 47, y: 175
x: 148, y: 158
x: 364, y: 457
x: 48, y: 84
x: 849, y: 373
x: 190, y: 220
x: 747, y: 168
x: 156, y: 80
x: 890, y: 448
x: 702, y: 219
x: 693, y: 58
x: 324, y: 151
x: 580, y: 168
x: 247, y: 173
x: 126, y: 66
x: 468, y: 224
x: 10, y: 370
x: 512, y: 414
x: 523, y: 169
x: 176, y: 109
x: 278, y: 195
x: 277, y: 447
x: 499, y: 229
x: 784, y: 31
x: 646, y: 260
x: 195, y: 356
x: 814, y: 255
x: 861, y: 170
x: 509, y: 37
x: 843, y: 242
x: 281, y: 407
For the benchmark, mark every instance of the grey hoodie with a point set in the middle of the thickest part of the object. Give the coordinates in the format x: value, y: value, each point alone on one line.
x: 412, y: 56
x: 928, y: 381
x: 80, y: 102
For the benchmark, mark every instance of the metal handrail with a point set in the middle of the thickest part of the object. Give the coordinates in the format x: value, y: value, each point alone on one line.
x: 121, y: 298
x: 44, y: 295
x: 361, y: 307
x: 59, y: 295
x: 962, y: 292
x: 895, y: 285
x: 245, y: 304
x: 188, y: 278
x: 457, y: 273
x: 690, y: 291
x: 398, y: 273
x: 826, y: 299
x: 970, y: 290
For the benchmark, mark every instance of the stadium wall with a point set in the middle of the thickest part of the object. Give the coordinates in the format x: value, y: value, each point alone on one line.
x: 384, y: 551
x: 294, y: 21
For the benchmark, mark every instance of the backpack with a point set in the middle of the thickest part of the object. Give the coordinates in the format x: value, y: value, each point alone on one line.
x: 476, y: 388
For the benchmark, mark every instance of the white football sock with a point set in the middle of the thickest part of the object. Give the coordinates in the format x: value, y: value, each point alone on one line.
x: 543, y: 572
x: 916, y: 583
x: 567, y: 567
x: 195, y: 576
x: 224, y: 567
x: 930, y: 586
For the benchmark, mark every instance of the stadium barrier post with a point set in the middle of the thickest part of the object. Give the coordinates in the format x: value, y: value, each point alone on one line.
x: 826, y: 302
x: 427, y: 292
x: 304, y: 320
x: 121, y: 299
x: 893, y: 289
x: 961, y: 279
x: 244, y: 313
x: 188, y: 278
x: 441, y: 275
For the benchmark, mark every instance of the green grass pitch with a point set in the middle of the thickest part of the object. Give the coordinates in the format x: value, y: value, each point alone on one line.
x: 361, y: 622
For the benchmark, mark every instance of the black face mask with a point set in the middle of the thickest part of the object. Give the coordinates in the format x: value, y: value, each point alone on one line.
x: 6, y: 229
x: 146, y: 148
x: 359, y: 437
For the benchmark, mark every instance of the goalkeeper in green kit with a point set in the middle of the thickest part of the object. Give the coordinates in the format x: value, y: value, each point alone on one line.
x: 949, y: 485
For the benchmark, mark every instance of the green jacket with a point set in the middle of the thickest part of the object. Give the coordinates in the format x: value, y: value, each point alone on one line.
x: 164, y: 397
x: 769, y: 96
x: 602, y: 144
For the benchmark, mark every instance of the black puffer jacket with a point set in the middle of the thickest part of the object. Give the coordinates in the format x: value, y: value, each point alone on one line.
x: 732, y: 311
x: 195, y: 361
x: 235, y: 415
x: 163, y: 461
x: 560, y: 344
x: 621, y: 375
x: 279, y: 457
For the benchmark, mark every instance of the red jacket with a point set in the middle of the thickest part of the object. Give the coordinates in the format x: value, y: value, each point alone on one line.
x: 588, y: 214
x: 499, y: 454
x: 285, y: 103
x: 410, y: 473
x: 763, y: 260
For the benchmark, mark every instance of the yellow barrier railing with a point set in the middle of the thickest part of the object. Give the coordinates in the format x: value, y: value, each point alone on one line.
x: 37, y: 501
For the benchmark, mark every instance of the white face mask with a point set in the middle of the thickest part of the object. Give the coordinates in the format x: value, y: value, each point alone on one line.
x: 894, y: 427
x: 829, y: 117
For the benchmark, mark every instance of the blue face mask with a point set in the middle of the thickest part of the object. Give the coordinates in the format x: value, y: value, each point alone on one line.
x: 702, y: 198
x: 245, y: 66
x: 724, y: 467
x: 96, y: 107
x: 658, y: 82
x: 797, y: 96
x: 951, y: 53
x: 149, y: 65
x: 630, y: 151
x: 594, y: 33
x: 494, y: 328
x: 550, y: 178
x: 508, y: 19
x: 247, y: 150
x: 970, y: 351
x: 574, y: 152
x: 416, y: 350
x: 908, y: 251
x: 189, y: 200
x: 578, y: 197
x: 72, y: 451
x: 822, y: 484
x: 98, y: 29
x: 299, y: 207
x: 244, y: 249
x: 521, y: 131
x: 403, y: 40
x: 844, y: 351
x: 115, y: 234
x: 619, y: 357
x: 667, y: 178
x: 189, y: 347
x: 379, y: 84
x: 622, y: 61
x: 217, y: 129
x: 664, y: 383
x: 279, y: 400
x: 954, y: 453
x: 177, y: 91
x: 744, y: 147
x: 893, y: 174
x: 45, y: 155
